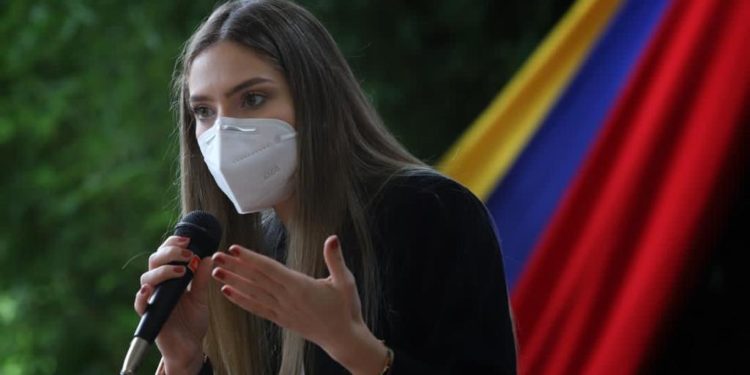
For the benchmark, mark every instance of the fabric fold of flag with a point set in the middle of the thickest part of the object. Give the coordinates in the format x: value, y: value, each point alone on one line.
x: 625, y: 238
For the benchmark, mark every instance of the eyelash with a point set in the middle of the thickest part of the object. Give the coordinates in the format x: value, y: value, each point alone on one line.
x: 251, y: 94
x: 197, y: 112
x: 202, y: 112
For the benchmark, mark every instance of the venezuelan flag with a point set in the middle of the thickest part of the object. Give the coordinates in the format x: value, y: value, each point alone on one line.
x: 602, y: 163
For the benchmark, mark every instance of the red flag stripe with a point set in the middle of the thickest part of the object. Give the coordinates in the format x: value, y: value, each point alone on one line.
x: 602, y: 276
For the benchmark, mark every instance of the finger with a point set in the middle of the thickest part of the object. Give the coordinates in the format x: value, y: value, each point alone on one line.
x: 242, y: 261
x: 141, y: 299
x: 199, y: 284
x: 335, y: 260
x: 249, y: 303
x: 247, y: 271
x: 161, y: 274
x: 167, y: 254
x: 178, y: 241
x: 248, y: 286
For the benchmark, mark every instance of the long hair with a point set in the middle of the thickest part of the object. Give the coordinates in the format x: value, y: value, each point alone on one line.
x: 345, y: 157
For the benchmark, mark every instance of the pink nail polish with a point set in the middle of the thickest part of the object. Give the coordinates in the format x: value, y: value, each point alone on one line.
x: 179, y: 269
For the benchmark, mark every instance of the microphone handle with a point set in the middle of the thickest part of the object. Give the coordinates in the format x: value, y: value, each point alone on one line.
x: 165, y: 298
x: 161, y: 303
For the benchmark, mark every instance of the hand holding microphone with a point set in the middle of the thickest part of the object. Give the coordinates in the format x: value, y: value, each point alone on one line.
x: 176, y: 318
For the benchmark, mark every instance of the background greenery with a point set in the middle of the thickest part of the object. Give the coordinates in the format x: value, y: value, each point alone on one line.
x: 87, y: 141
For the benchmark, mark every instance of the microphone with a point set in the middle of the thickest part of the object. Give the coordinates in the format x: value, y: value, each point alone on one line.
x: 204, y: 231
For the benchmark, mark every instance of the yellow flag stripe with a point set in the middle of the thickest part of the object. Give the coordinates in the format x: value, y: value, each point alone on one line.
x: 486, y: 151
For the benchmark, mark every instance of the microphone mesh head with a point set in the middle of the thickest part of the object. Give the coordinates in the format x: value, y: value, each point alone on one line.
x: 204, y: 231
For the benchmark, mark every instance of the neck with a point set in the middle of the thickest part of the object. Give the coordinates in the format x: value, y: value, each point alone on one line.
x: 284, y: 210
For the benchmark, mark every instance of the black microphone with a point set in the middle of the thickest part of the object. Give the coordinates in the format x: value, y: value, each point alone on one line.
x: 204, y: 232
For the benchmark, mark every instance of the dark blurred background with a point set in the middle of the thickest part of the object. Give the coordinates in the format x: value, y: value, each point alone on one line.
x: 88, y: 144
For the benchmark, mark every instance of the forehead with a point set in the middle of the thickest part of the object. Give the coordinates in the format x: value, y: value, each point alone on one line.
x: 226, y: 63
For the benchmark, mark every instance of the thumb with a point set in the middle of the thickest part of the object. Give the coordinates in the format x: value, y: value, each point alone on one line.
x: 201, y: 278
x: 334, y: 259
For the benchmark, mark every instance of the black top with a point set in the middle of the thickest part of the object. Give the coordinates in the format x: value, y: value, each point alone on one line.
x: 443, y: 281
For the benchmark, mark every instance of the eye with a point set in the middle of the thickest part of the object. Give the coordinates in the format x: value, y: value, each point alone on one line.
x: 253, y: 99
x: 202, y: 112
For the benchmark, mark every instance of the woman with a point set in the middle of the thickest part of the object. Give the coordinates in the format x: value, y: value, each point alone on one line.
x: 344, y: 252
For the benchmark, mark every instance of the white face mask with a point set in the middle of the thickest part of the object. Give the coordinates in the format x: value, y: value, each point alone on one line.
x: 252, y: 160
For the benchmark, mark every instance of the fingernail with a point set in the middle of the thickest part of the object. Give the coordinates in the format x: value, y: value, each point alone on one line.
x: 187, y: 253
x: 219, y: 274
x: 218, y: 259
x: 143, y: 289
x: 194, y: 263
x: 179, y: 269
x: 234, y: 250
x: 226, y: 291
x: 182, y: 239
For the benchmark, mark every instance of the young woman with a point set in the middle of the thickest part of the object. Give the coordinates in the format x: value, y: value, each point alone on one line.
x: 344, y: 253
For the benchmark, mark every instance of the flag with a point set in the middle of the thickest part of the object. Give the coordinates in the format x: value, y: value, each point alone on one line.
x: 600, y: 163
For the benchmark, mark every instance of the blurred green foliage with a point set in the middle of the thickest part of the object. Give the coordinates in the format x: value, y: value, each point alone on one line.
x: 87, y: 141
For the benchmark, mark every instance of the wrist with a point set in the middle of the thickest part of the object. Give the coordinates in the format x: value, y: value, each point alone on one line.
x: 361, y: 353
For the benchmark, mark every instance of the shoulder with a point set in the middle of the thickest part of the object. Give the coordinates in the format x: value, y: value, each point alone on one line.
x: 424, y: 187
x: 426, y: 211
x: 428, y: 197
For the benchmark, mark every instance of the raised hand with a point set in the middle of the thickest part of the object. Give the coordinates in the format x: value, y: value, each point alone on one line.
x: 325, y: 311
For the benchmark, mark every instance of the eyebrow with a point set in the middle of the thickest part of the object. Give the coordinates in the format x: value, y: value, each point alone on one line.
x: 245, y: 84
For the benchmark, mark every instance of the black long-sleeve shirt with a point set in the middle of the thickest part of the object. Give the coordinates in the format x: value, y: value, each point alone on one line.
x: 447, y: 308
